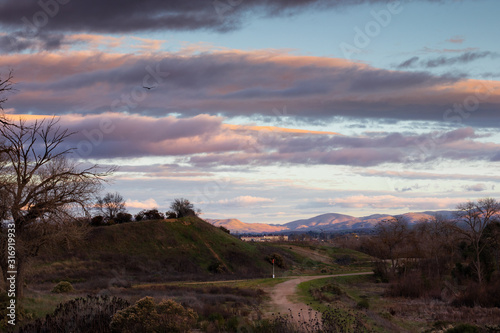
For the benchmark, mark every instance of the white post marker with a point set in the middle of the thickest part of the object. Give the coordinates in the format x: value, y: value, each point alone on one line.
x: 273, y: 268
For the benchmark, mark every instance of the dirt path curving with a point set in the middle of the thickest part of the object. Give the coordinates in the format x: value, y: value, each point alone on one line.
x: 284, y: 300
x: 312, y: 254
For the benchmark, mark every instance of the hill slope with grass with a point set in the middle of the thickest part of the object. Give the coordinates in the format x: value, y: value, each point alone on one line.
x: 161, y: 250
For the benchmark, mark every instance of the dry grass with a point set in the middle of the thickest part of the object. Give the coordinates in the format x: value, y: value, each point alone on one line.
x: 427, y: 311
x: 392, y: 314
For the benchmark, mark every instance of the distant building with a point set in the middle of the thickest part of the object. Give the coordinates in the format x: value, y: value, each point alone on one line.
x: 273, y: 238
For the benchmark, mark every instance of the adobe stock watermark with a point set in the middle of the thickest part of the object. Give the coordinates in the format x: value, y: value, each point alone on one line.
x: 224, y: 7
x: 48, y: 9
x: 11, y: 273
x: 372, y: 29
x: 125, y: 104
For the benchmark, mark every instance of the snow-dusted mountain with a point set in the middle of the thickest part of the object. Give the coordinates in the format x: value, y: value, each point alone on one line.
x: 324, y: 222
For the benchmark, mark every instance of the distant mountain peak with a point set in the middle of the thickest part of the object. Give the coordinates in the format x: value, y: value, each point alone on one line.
x: 325, y: 222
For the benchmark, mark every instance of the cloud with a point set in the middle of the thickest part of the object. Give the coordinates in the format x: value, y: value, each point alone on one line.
x: 461, y: 59
x: 393, y: 148
x: 496, y: 157
x: 151, y: 15
x: 412, y: 62
x: 446, y: 61
x: 425, y: 175
x: 475, y: 188
x: 19, y: 41
x: 158, y: 171
x: 445, y: 50
x: 456, y: 39
x: 114, y: 135
x: 408, y: 188
x: 206, y: 142
x: 234, y: 83
x: 146, y: 204
x: 394, y: 202
x: 245, y: 201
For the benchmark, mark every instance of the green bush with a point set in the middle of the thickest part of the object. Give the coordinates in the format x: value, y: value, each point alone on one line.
x: 63, y: 287
x: 146, y: 316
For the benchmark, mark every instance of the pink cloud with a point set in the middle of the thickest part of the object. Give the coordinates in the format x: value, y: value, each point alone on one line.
x: 456, y: 39
x: 205, y: 141
x: 145, y: 204
x: 245, y: 200
x: 394, y: 202
x: 236, y: 83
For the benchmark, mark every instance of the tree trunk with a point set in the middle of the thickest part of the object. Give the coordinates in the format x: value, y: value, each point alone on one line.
x: 3, y: 261
x: 478, y: 268
x: 20, y: 278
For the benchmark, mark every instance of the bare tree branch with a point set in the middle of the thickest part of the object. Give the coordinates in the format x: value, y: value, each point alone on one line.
x: 40, y: 186
x: 472, y: 220
x: 6, y: 85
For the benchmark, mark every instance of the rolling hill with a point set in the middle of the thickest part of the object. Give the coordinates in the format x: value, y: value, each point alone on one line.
x: 160, y: 250
x: 325, y: 222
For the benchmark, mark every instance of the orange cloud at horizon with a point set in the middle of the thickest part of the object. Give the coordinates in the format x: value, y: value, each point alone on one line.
x: 276, y: 129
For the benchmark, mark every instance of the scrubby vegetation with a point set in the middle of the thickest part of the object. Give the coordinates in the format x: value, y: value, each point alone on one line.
x: 145, y: 316
x: 331, y: 321
x: 91, y: 314
x: 63, y: 287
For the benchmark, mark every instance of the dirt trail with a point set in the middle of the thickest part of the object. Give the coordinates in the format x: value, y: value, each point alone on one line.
x: 312, y: 254
x: 283, y: 296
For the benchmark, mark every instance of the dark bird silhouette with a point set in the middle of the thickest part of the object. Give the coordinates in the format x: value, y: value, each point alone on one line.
x: 148, y: 88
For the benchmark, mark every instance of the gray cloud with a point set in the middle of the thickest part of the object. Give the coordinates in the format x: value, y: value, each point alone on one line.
x: 464, y: 58
x: 412, y: 62
x: 205, y: 142
x: 117, y: 16
x: 496, y: 157
x: 353, y: 151
x: 475, y: 188
x: 236, y: 84
x: 20, y: 41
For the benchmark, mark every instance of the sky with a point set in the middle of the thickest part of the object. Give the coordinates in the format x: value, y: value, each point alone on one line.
x: 268, y: 111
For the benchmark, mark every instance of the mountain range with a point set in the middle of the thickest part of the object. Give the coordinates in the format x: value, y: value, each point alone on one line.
x: 325, y: 222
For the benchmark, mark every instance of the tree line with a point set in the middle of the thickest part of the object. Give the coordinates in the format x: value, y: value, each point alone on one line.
x: 111, y: 209
x: 454, y: 258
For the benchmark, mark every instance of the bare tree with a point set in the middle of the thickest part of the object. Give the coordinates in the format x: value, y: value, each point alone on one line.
x: 110, y: 205
x: 390, y: 238
x: 6, y: 85
x: 42, y: 190
x: 492, y: 234
x: 472, y: 219
x: 436, y: 238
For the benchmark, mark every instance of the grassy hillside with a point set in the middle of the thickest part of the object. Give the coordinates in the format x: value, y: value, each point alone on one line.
x: 162, y: 250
